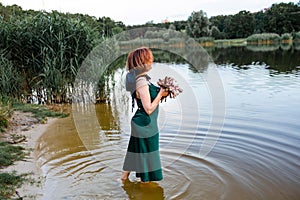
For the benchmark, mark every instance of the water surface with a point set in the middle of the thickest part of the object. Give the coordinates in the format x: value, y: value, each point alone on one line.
x: 257, y: 155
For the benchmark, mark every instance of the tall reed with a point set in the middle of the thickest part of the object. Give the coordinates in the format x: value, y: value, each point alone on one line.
x: 46, y: 50
x: 10, y: 78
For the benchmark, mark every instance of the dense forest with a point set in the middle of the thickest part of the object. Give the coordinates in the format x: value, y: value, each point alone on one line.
x: 40, y: 52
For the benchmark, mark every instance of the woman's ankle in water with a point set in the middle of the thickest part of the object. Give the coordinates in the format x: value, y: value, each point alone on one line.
x: 125, y: 175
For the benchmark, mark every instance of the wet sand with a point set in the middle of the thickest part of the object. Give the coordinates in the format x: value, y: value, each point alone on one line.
x: 24, y: 124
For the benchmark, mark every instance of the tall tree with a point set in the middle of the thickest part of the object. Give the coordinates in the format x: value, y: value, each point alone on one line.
x: 218, y: 21
x: 259, y: 18
x: 198, y: 25
x: 282, y: 18
x: 239, y: 25
x: 180, y: 25
x: 218, y: 26
x: 109, y: 27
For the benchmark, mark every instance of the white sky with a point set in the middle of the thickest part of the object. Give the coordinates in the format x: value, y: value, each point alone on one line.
x: 141, y: 11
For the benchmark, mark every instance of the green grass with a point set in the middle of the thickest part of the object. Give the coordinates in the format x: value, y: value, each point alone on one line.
x: 7, y: 106
x: 9, y: 182
x: 10, y: 153
x: 40, y: 112
x: 231, y: 42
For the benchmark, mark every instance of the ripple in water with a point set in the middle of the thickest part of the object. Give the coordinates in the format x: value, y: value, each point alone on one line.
x: 256, y: 157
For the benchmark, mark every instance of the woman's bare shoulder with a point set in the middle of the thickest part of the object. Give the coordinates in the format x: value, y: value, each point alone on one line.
x: 141, y: 81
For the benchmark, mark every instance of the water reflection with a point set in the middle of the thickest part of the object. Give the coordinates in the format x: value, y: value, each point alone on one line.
x: 143, y: 191
x: 278, y: 60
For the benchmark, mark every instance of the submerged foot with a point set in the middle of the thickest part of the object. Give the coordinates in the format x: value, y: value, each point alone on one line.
x: 125, y: 175
x: 149, y: 184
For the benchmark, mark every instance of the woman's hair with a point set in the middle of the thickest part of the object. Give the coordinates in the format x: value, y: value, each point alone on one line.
x: 141, y: 58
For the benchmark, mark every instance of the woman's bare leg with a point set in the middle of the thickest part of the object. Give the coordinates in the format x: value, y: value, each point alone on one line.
x: 125, y: 175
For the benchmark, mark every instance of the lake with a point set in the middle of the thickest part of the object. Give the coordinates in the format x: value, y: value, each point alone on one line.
x: 251, y: 145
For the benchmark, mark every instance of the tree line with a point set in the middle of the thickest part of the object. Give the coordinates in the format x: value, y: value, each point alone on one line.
x: 279, y: 18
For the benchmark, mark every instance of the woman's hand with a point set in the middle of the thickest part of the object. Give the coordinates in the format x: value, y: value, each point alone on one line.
x: 163, y: 92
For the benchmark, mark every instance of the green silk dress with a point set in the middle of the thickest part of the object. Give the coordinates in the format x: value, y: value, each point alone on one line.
x: 143, y: 149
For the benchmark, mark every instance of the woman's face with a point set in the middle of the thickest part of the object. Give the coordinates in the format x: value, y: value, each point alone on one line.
x: 149, y: 66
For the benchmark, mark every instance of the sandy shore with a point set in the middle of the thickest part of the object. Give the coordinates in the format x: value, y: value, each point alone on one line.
x: 23, y: 124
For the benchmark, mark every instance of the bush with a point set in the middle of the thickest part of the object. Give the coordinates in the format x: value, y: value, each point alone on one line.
x: 296, y: 36
x: 267, y: 38
x: 205, y: 39
x: 285, y: 36
x: 215, y: 33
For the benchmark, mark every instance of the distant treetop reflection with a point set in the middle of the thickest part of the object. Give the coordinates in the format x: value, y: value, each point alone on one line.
x: 286, y: 61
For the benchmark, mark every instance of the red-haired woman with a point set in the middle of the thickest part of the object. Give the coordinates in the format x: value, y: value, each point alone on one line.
x: 143, y: 149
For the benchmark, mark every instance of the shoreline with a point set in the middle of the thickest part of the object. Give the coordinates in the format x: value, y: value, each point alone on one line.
x: 24, y: 124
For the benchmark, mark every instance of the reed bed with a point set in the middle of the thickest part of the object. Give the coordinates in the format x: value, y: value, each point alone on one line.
x: 41, y: 54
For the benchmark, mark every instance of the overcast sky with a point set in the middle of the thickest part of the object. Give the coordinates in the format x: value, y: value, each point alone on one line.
x: 141, y: 11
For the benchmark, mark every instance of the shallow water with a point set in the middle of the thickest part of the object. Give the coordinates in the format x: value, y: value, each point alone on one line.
x: 257, y: 155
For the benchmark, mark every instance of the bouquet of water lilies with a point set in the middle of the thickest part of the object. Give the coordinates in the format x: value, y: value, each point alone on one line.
x: 169, y: 84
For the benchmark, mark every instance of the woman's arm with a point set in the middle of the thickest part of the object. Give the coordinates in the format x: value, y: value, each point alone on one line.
x: 144, y: 95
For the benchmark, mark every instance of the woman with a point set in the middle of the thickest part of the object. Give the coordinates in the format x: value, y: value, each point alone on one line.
x: 143, y: 148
